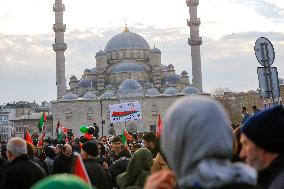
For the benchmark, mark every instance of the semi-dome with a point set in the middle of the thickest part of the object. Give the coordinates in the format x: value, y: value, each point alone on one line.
x: 89, y: 96
x: 152, y: 92
x: 86, y: 83
x: 170, y: 91
x: 70, y: 96
x: 128, y: 66
x: 126, y: 40
x: 171, y: 79
x: 108, y: 95
x: 130, y: 88
x: 190, y: 90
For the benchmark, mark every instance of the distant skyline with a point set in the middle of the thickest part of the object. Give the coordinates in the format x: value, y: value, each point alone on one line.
x: 229, y: 29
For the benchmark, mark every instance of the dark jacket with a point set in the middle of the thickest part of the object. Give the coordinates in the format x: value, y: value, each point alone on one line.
x: 273, y: 176
x: 97, y: 174
x: 4, y: 164
x: 117, y: 168
x: 61, y: 164
x: 22, y: 174
x: 113, y: 157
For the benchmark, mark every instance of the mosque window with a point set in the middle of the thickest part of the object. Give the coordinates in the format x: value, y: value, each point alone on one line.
x: 108, y: 112
x: 89, y: 114
x: 131, y: 54
x: 68, y: 114
x: 154, y: 110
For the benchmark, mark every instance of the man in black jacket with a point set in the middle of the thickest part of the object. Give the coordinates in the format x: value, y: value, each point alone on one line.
x: 62, y: 163
x: 22, y: 172
x: 96, y: 172
x: 118, y: 151
x: 262, y: 142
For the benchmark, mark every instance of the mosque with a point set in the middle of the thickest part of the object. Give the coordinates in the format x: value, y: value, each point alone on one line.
x: 127, y: 70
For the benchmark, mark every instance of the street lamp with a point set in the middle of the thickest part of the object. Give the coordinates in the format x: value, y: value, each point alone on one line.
x: 102, y: 120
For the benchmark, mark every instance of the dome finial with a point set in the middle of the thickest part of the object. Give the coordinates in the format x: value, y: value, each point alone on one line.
x: 125, y: 27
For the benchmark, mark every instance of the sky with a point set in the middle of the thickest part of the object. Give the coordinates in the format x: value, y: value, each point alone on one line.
x: 229, y: 29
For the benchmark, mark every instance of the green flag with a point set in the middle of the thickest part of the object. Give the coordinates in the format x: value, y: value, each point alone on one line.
x: 42, y: 121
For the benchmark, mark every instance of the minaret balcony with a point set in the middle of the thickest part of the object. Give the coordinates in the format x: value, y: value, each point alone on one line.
x: 195, y: 41
x: 59, y: 27
x: 58, y: 7
x: 192, y: 2
x: 193, y: 22
x: 59, y: 46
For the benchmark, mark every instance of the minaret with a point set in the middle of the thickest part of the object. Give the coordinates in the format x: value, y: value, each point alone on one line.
x: 59, y: 47
x: 195, y: 41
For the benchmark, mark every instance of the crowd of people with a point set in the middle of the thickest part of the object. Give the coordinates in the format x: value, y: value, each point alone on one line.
x: 196, y: 148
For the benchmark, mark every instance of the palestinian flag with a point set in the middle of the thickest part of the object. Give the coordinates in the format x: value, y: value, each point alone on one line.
x: 28, y: 137
x: 124, y: 139
x: 39, y: 144
x: 60, y: 131
x: 127, y: 136
x: 42, y: 121
x: 78, y: 169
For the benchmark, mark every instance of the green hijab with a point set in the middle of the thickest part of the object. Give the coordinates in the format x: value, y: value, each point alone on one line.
x: 138, y: 169
x: 61, y: 181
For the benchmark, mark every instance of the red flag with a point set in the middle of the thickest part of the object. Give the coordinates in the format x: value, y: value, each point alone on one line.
x: 127, y: 135
x: 160, y: 126
x: 79, y: 169
x: 28, y: 138
x: 39, y: 144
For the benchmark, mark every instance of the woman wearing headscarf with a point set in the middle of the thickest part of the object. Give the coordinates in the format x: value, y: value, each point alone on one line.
x: 138, y: 169
x: 198, y: 143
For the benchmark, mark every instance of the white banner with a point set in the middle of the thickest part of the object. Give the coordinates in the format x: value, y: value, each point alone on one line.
x: 127, y: 111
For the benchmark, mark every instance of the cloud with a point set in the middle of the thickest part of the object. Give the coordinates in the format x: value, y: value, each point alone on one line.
x: 27, y: 62
x: 266, y: 9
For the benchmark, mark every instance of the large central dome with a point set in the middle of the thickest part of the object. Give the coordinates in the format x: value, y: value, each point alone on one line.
x: 126, y: 40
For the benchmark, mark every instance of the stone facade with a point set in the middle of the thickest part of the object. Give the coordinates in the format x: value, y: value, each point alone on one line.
x: 29, y: 123
x: 73, y: 114
x: 6, y: 126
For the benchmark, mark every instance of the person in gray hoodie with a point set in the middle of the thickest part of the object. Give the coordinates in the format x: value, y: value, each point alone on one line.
x: 198, y: 143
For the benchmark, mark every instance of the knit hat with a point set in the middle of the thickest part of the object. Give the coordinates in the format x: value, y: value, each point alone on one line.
x: 266, y: 129
x: 90, y: 148
x: 61, y: 181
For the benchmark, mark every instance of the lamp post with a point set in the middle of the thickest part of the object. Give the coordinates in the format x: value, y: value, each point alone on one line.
x: 102, y: 120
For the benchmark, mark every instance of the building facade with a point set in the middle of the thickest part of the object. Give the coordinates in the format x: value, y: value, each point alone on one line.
x: 6, y: 127
x: 29, y: 122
